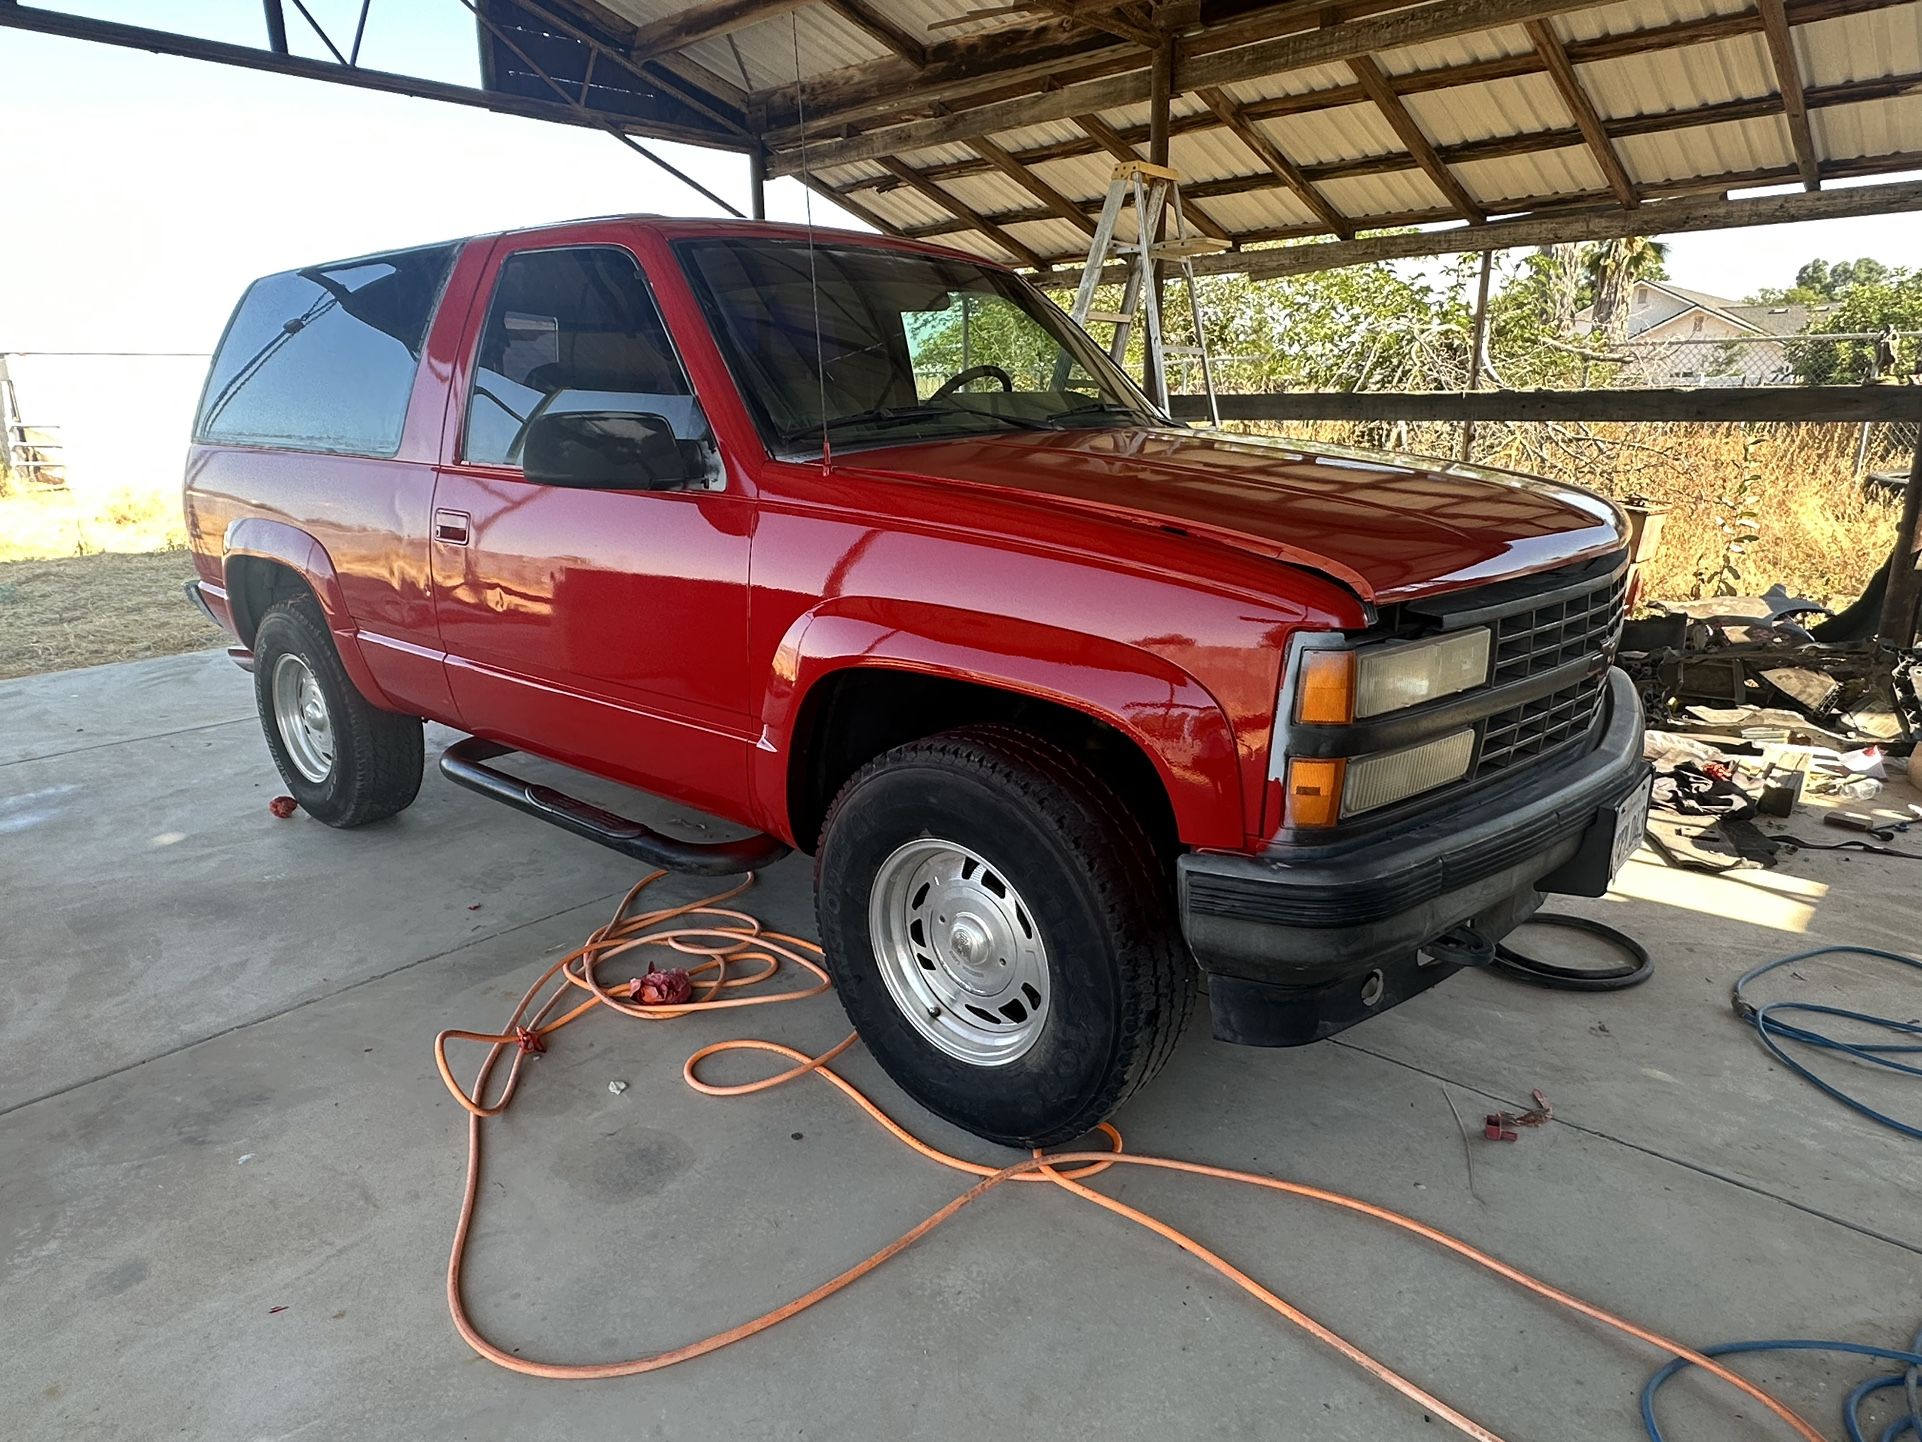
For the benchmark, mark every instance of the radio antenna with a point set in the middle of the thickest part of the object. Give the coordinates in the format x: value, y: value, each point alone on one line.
x: 807, y: 213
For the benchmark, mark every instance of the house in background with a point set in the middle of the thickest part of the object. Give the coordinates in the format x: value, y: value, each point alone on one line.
x: 1681, y: 337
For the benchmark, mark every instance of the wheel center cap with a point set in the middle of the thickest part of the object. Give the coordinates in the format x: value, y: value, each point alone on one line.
x: 967, y: 942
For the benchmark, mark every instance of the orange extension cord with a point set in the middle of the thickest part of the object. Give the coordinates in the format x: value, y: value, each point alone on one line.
x: 722, y: 938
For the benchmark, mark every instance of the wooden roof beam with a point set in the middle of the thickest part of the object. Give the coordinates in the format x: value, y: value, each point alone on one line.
x: 1368, y: 75
x: 1549, y: 46
x: 703, y: 22
x: 1008, y: 64
x: 1788, y: 76
x: 1674, y: 217
x: 1112, y: 141
x: 1223, y: 105
x: 1438, y: 20
x: 1117, y: 143
x: 877, y: 27
x: 1103, y: 15
x: 959, y: 208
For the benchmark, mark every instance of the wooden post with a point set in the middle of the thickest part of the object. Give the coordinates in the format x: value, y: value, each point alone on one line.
x: 1898, y: 623
x: 1478, y: 352
x: 757, y: 183
x: 1160, y: 97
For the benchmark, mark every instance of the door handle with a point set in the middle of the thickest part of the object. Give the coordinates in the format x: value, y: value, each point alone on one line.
x: 451, y: 527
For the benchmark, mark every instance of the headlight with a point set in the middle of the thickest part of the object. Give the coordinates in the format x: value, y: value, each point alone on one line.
x: 1340, y: 686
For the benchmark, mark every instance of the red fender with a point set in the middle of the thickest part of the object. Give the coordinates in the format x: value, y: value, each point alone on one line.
x: 293, y: 548
x: 1178, y: 725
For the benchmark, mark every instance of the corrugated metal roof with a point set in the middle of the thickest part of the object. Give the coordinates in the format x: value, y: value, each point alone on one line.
x: 1685, y: 79
x: 1546, y: 172
x: 1397, y: 193
x: 1352, y: 132
x: 1706, y: 150
x: 1861, y: 47
x: 1648, y: 80
x: 1626, y: 19
x: 1457, y: 50
x: 1481, y: 112
x: 1879, y: 127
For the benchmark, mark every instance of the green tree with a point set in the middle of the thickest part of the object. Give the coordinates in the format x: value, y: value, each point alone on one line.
x: 1818, y: 282
x: 1613, y: 268
x: 1892, y: 303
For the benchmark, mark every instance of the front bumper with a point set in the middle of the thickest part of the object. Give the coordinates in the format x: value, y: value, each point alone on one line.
x: 1302, y: 942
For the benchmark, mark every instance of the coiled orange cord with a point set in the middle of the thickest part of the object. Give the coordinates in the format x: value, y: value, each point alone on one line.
x: 721, y: 938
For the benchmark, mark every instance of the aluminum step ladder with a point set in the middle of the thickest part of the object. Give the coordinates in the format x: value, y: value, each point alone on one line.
x: 1161, y: 235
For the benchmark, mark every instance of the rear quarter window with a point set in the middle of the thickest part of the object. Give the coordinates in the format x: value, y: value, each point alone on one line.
x: 323, y: 358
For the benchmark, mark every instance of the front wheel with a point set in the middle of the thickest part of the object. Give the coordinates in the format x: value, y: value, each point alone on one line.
x: 346, y: 761
x: 1001, y: 934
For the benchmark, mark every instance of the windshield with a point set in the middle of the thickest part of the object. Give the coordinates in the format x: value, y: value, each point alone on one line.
x: 906, y: 347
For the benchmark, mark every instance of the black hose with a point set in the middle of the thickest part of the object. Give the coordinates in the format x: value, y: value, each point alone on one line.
x: 1637, y: 970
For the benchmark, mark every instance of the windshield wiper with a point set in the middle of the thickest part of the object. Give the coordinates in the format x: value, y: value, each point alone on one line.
x: 900, y: 415
x: 1094, y: 410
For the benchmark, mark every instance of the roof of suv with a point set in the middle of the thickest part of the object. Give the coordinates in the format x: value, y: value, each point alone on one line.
x: 691, y: 227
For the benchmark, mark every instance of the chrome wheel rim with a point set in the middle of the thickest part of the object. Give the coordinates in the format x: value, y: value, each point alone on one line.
x: 300, y: 715
x: 960, y: 952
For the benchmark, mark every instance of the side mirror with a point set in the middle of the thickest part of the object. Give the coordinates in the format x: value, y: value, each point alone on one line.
x: 607, y: 450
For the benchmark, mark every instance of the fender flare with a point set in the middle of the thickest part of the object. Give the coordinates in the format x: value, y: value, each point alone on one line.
x: 1175, y: 722
x: 264, y: 539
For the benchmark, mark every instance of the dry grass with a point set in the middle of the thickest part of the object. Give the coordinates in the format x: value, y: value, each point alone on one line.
x: 87, y: 610
x: 1814, y: 530
x: 37, y: 524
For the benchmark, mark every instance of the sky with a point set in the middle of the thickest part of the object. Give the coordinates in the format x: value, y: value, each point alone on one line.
x: 144, y: 192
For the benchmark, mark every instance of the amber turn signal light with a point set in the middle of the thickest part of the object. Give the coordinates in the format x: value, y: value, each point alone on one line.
x: 1326, y: 695
x: 1314, y: 791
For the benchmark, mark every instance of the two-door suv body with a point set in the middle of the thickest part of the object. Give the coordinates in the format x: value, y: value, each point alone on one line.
x: 863, y: 546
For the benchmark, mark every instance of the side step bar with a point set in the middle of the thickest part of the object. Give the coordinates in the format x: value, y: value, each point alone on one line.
x: 464, y: 764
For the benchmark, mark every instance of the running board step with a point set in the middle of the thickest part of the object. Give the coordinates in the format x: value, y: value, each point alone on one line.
x: 465, y: 764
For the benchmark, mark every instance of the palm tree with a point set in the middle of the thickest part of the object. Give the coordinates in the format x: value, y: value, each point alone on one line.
x: 1613, y: 268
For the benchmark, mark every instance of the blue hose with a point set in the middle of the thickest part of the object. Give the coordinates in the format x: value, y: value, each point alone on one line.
x: 1773, y: 1031
x: 1909, y: 1379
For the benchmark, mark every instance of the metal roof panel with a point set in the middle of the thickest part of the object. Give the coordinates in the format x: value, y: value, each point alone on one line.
x: 1861, y: 47
x: 1495, y: 108
x: 1348, y: 132
x: 1543, y: 172
x: 1707, y: 150
x: 1684, y: 79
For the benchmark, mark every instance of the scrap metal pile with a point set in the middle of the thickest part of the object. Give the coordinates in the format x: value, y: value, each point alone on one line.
x: 1777, y: 669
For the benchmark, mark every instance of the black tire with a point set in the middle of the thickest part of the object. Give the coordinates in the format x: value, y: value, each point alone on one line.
x: 377, y: 755
x: 1122, y: 983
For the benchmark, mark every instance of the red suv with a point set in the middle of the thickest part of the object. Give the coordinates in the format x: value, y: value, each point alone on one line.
x: 862, y: 545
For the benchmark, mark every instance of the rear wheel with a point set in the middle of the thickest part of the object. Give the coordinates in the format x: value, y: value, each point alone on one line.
x: 1001, y: 934
x: 346, y: 761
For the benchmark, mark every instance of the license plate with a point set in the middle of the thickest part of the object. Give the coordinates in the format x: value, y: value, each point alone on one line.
x: 1631, y: 820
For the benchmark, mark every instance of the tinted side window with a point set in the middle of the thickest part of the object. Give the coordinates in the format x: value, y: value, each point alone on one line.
x: 323, y: 358
x: 572, y: 330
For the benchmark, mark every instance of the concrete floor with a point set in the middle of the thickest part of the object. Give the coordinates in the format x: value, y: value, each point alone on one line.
x: 218, y: 1100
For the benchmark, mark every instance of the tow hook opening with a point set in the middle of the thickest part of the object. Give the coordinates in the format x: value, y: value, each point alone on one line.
x: 1460, y: 946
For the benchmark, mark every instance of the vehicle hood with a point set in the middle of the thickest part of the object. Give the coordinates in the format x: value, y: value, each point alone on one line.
x: 1390, y: 527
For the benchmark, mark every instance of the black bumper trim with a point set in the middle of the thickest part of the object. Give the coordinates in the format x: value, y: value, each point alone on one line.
x: 1300, y: 917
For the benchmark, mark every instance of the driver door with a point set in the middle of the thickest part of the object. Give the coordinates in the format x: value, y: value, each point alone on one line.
x: 603, y: 628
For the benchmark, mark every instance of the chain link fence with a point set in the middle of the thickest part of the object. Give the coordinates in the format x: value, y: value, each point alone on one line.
x: 1698, y: 360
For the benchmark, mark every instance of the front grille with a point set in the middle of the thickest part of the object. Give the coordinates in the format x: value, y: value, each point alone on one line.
x: 1524, y: 733
x: 1540, y: 638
